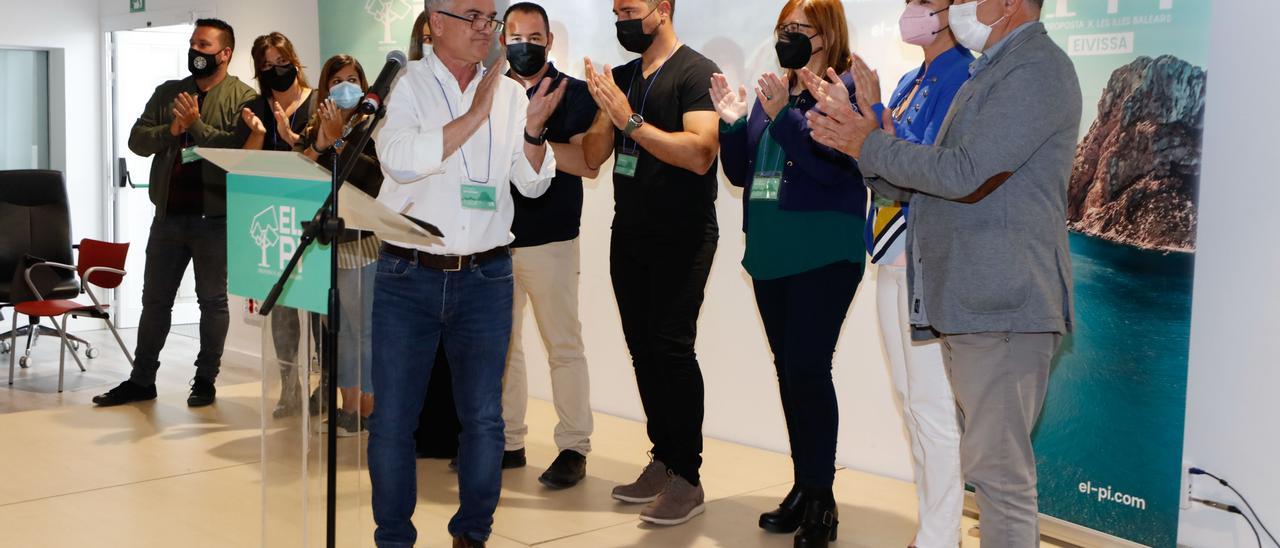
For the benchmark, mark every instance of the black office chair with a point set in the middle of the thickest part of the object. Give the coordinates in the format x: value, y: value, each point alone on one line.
x: 35, y: 221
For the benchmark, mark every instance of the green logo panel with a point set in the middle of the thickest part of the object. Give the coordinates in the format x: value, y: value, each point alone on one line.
x: 264, y: 228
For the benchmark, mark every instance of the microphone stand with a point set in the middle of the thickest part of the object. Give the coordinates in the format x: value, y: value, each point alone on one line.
x: 326, y: 227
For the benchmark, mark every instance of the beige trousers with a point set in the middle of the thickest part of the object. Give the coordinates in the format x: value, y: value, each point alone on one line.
x: 546, y: 277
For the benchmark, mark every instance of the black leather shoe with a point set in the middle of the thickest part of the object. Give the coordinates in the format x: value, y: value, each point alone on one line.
x: 202, y: 393
x: 821, y: 518
x: 788, y: 515
x: 513, y: 459
x: 126, y: 392
x: 566, y: 471
x: 510, y: 460
x: 465, y: 542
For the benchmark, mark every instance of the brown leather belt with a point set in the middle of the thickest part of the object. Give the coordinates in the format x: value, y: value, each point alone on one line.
x: 447, y: 263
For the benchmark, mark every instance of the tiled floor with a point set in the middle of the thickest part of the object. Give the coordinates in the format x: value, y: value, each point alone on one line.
x: 161, y: 475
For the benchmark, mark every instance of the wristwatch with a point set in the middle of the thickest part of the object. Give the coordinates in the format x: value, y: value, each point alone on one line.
x: 538, y: 141
x: 633, y: 124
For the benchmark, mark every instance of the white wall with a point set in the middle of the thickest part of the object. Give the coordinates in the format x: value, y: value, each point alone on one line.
x: 1235, y: 370
x: 77, y: 69
x: 742, y: 391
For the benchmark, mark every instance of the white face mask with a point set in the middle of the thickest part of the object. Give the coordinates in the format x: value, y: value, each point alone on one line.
x: 969, y: 31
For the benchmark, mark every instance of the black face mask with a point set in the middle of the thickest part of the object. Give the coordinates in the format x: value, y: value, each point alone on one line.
x: 632, y: 37
x: 794, y: 50
x: 279, y: 79
x: 526, y: 58
x: 200, y: 64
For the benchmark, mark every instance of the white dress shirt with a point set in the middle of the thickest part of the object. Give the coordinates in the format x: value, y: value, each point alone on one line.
x: 424, y: 186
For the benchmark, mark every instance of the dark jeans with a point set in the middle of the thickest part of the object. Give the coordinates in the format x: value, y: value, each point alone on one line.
x: 413, y: 307
x: 802, y: 316
x: 174, y: 242
x: 659, y: 284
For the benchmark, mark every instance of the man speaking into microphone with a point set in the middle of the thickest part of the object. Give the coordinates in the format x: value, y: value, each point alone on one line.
x: 455, y: 134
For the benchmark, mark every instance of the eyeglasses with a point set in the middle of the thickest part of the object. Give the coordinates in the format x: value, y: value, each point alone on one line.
x: 478, y: 23
x: 795, y: 27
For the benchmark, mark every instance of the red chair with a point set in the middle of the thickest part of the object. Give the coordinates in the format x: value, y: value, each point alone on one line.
x: 101, y: 264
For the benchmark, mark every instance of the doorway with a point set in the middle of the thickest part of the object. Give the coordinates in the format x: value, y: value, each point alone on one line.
x: 139, y: 61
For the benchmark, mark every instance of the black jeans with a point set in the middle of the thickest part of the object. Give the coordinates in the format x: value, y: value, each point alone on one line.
x: 659, y: 283
x: 176, y: 241
x: 802, y: 316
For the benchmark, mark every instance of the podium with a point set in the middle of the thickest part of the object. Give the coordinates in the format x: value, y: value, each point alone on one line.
x: 270, y: 195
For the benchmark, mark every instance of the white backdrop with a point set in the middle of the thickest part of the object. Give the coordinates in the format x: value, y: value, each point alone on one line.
x: 742, y: 394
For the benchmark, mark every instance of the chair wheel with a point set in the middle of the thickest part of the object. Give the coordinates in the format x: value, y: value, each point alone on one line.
x: 4, y: 347
x: 91, y: 352
x: 22, y: 362
x: 75, y: 346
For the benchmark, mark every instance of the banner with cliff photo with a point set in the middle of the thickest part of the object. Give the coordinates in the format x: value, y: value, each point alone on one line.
x: 1109, y: 442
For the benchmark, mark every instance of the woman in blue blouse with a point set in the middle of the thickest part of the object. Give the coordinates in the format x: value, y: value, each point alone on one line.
x: 803, y: 215
x: 918, y: 107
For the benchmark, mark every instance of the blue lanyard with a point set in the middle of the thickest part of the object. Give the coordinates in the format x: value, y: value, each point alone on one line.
x: 462, y: 149
x: 645, y: 100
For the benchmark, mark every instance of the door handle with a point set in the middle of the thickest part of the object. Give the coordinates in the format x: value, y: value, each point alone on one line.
x: 126, y: 179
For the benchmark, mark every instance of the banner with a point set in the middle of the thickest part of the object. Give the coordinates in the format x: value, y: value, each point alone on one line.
x: 1110, y: 439
x: 1109, y: 442
x: 366, y: 29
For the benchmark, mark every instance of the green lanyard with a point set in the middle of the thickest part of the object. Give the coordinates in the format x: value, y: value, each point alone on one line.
x: 770, y: 159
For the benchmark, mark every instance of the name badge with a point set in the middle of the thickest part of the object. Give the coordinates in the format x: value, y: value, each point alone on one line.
x: 480, y: 197
x: 625, y: 165
x: 764, y: 186
x: 883, y: 202
x: 189, y: 155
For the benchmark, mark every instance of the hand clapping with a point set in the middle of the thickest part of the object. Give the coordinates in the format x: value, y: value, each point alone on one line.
x: 607, y: 94
x: 729, y: 105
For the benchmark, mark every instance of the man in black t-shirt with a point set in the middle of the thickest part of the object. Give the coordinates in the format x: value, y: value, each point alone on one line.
x: 657, y: 118
x: 546, y: 258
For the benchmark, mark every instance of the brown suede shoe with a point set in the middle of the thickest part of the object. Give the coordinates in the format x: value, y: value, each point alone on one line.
x: 464, y: 542
x: 647, y: 487
x: 678, y: 503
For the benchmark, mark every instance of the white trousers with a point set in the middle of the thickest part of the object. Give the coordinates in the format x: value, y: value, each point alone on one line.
x: 929, y: 410
x: 546, y: 277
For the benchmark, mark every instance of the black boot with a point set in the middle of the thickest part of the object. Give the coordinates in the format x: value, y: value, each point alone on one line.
x: 788, y: 515
x: 821, y: 518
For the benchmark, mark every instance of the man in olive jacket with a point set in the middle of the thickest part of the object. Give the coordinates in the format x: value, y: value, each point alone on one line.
x: 190, y: 198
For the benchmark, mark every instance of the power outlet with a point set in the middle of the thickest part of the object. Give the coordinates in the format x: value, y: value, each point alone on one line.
x: 1184, y: 500
x: 251, y: 316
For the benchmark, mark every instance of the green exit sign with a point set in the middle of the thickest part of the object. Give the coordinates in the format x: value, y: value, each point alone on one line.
x: 136, y: 6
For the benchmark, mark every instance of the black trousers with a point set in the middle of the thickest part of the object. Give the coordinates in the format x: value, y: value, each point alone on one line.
x: 802, y: 316
x: 659, y: 284
x: 175, y: 242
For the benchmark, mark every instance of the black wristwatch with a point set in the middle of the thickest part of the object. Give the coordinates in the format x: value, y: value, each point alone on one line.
x: 538, y: 141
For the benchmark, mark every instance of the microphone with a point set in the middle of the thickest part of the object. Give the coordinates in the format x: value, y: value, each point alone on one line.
x: 381, y: 88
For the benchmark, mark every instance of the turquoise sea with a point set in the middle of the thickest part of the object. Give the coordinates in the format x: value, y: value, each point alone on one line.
x: 1113, y: 419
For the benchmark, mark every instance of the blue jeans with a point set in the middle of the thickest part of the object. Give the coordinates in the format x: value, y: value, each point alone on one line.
x: 355, y: 334
x: 413, y: 307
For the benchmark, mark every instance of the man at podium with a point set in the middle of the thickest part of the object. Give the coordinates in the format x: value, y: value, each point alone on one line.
x: 455, y: 134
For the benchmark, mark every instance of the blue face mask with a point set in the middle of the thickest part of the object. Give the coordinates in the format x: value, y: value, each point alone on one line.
x: 346, y: 95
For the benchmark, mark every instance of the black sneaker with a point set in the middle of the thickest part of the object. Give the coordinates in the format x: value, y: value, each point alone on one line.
x: 510, y: 460
x: 127, y: 392
x: 202, y: 393
x: 349, y: 424
x: 566, y: 471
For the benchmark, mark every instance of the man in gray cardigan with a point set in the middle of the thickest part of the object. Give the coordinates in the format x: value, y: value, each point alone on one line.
x: 989, y: 266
